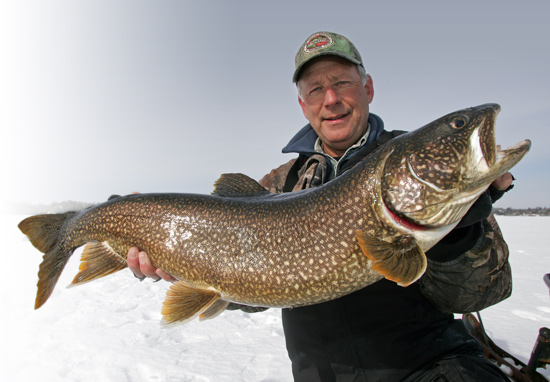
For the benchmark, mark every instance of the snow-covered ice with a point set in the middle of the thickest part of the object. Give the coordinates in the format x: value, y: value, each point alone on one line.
x: 109, y: 329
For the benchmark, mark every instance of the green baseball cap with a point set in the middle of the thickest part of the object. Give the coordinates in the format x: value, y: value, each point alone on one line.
x: 325, y: 43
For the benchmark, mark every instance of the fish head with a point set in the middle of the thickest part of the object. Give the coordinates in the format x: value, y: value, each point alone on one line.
x: 434, y: 174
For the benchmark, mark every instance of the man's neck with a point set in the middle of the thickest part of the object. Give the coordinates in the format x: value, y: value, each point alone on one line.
x: 320, y: 146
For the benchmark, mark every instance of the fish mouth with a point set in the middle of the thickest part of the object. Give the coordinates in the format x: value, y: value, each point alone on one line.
x: 487, y: 142
x: 495, y: 162
x: 489, y: 161
x: 404, y: 221
x: 454, y: 203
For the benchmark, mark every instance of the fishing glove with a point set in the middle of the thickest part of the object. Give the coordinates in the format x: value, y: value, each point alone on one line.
x: 245, y: 308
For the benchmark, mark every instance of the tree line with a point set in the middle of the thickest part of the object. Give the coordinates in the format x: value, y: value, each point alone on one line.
x: 538, y: 211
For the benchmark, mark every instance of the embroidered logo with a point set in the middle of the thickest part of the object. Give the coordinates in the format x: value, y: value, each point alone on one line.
x: 318, y: 41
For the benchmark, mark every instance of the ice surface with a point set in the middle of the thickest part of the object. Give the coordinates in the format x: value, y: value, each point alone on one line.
x: 109, y: 330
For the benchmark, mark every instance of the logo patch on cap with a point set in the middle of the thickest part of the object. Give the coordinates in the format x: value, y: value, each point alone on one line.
x: 318, y: 41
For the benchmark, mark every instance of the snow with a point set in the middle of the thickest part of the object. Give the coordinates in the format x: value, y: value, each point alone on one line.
x: 109, y: 329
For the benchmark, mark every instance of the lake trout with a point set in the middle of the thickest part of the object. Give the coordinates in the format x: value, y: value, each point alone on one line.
x: 246, y: 245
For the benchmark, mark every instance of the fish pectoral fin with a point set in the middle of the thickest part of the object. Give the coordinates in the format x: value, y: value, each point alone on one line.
x: 184, y: 302
x: 238, y: 185
x: 401, y: 260
x: 98, y: 260
x: 214, y: 310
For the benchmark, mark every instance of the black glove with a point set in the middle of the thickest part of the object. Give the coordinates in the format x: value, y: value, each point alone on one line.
x: 245, y: 308
x: 479, y: 211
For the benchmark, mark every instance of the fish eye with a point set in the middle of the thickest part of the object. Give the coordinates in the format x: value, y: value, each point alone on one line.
x: 459, y: 122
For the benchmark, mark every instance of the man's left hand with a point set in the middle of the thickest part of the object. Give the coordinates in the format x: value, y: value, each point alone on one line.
x: 504, y: 182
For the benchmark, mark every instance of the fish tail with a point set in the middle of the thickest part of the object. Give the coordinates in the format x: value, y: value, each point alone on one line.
x: 44, y: 232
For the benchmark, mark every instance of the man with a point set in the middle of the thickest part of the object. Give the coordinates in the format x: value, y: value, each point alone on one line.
x: 383, y: 332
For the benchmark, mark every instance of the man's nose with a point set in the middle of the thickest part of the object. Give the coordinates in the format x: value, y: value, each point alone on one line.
x: 331, y: 97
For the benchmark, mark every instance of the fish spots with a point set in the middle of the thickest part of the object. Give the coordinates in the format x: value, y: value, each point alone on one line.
x: 263, y: 255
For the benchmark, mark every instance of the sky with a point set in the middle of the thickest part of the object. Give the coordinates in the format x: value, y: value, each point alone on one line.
x: 112, y: 97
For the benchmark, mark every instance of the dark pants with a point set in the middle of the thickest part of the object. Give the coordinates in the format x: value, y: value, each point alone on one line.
x: 460, y: 368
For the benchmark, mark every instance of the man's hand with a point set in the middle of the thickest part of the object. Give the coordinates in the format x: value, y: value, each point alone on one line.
x: 503, y: 182
x: 141, y: 266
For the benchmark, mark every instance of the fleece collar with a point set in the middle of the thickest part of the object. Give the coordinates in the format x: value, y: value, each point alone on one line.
x: 304, y: 141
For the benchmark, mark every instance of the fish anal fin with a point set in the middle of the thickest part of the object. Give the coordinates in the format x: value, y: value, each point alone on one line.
x: 184, y: 302
x: 98, y: 260
x: 400, y: 260
x: 214, y: 310
x: 238, y: 185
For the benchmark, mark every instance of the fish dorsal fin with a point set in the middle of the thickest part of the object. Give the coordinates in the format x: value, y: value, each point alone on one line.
x: 98, y: 260
x: 400, y: 260
x: 184, y: 302
x: 238, y: 185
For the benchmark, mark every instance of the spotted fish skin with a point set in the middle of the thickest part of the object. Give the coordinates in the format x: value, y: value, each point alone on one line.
x: 243, y: 244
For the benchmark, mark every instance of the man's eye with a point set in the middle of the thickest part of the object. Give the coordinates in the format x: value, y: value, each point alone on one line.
x: 315, y: 90
x: 342, y: 83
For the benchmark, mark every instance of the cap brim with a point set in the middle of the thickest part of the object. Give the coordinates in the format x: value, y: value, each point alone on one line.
x: 325, y: 53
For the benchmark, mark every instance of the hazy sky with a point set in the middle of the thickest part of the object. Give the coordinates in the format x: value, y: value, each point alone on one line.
x: 103, y: 97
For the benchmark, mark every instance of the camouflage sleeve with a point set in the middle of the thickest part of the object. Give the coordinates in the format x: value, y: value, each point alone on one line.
x: 477, y: 279
x: 276, y: 179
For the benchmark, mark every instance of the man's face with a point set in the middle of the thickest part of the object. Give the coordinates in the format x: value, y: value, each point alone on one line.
x: 335, y: 102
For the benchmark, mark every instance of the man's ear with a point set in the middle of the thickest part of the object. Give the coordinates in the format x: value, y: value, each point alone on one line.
x: 303, y: 106
x: 370, y: 88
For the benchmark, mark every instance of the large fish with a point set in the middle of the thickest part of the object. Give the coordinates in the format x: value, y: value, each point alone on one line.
x: 243, y: 244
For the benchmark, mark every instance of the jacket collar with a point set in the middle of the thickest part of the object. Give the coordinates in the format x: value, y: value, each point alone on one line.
x: 304, y: 141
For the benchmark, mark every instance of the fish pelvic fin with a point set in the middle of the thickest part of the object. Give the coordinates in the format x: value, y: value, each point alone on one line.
x: 98, y: 260
x: 184, y: 302
x: 400, y: 260
x: 44, y: 232
x: 214, y: 310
